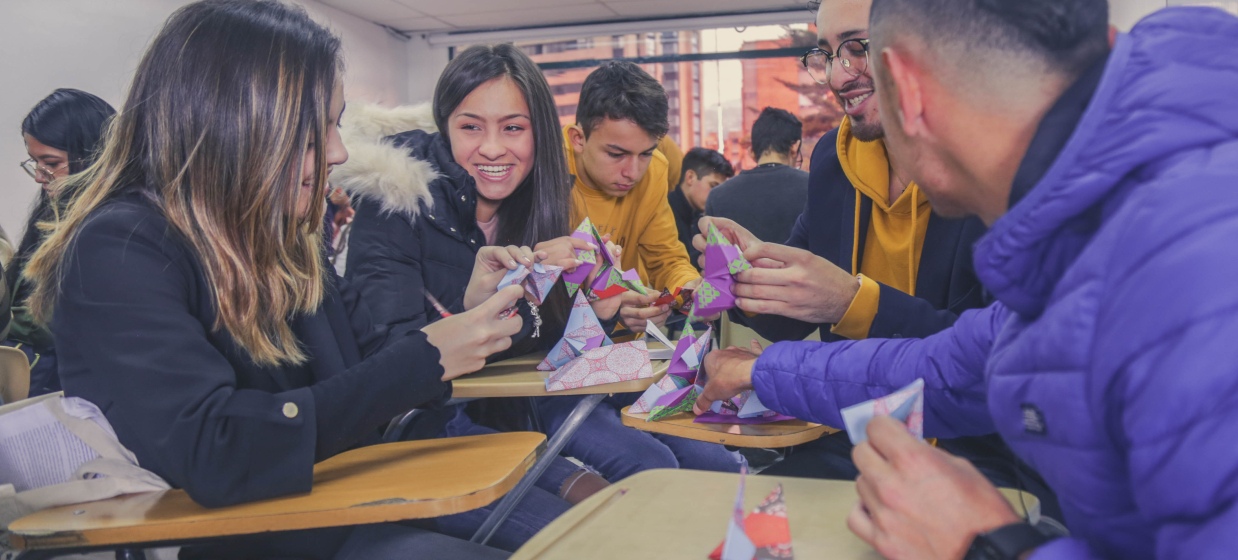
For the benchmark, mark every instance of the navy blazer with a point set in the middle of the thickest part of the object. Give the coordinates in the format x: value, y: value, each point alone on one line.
x: 135, y: 329
x: 946, y: 283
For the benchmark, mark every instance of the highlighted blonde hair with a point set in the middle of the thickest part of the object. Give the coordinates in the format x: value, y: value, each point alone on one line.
x: 214, y: 133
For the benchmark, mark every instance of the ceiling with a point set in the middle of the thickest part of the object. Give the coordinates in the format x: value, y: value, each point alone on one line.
x: 422, y: 16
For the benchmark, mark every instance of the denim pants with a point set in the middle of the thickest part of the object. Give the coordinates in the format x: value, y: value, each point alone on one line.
x: 617, y: 451
x: 538, y: 508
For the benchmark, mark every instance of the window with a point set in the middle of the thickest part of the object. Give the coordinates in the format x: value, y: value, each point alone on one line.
x: 712, y: 103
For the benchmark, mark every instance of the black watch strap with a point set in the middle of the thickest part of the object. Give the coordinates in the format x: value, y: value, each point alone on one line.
x: 1006, y: 542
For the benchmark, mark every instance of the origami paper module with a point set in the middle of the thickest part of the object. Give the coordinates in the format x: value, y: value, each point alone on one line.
x: 681, y: 375
x: 906, y: 405
x: 616, y: 363
x: 745, y: 408
x: 765, y: 534
x: 537, y: 281
x: 589, y: 259
x: 583, y: 333
x: 722, y: 262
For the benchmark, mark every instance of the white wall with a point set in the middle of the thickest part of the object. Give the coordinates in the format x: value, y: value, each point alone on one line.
x: 425, y: 63
x: 1126, y: 13
x: 94, y: 45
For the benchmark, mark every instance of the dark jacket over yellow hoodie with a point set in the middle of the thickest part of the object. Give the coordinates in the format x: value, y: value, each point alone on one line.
x: 915, y: 267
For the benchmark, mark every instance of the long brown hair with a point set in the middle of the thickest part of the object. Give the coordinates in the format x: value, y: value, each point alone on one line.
x: 214, y: 132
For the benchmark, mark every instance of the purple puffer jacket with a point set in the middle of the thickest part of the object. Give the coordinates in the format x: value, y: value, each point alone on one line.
x: 1110, y: 362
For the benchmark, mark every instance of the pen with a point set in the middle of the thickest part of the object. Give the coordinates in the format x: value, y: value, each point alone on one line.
x: 437, y: 306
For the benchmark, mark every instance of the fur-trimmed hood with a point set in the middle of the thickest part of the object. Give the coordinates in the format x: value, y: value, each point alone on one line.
x: 376, y: 168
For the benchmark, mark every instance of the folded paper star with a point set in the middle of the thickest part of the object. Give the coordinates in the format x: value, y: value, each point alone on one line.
x: 744, y: 408
x: 589, y: 258
x: 905, y: 405
x: 764, y: 534
x: 677, y: 391
x: 583, y: 333
x: 722, y: 262
x: 537, y: 281
x: 615, y: 363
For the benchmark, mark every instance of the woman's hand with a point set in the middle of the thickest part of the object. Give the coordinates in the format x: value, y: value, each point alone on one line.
x: 635, y: 310
x: 491, y: 265
x: 561, y: 251
x: 464, y: 341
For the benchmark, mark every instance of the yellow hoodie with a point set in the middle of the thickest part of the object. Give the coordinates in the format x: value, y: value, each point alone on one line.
x: 895, y: 234
x: 641, y: 222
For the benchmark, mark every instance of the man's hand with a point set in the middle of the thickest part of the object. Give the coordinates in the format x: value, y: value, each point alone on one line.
x: 793, y: 283
x: 491, y: 264
x: 729, y: 373
x: 634, y: 310
x: 464, y: 341
x: 732, y: 231
x: 917, y: 501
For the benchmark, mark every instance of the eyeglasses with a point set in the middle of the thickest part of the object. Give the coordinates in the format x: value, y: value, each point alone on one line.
x: 38, y: 172
x: 852, y: 53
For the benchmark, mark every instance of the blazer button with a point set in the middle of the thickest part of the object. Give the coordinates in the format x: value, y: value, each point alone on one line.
x: 291, y: 410
x: 464, y: 198
x: 453, y: 230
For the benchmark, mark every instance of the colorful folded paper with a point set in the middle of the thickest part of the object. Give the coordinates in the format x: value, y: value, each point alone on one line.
x: 722, y: 262
x: 615, y: 363
x: 764, y: 534
x: 906, y: 405
x: 583, y: 333
x: 745, y: 408
x: 678, y: 390
x: 610, y: 280
x: 537, y: 281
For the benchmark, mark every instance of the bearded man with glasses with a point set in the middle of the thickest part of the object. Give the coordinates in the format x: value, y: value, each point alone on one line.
x: 867, y: 258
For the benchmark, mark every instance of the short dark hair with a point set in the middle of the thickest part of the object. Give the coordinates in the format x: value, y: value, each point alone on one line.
x: 705, y: 162
x: 1065, y: 34
x: 620, y: 90
x: 776, y: 129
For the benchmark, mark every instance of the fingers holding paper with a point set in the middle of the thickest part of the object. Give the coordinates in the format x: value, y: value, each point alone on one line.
x: 919, y: 501
x: 793, y: 283
x: 465, y: 340
x: 729, y: 373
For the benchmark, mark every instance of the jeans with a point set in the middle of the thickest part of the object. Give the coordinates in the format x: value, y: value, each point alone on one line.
x: 396, y: 541
x: 617, y: 451
x: 538, y: 508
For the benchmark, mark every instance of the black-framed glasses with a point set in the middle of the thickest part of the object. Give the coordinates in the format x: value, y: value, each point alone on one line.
x: 852, y: 53
x: 37, y: 172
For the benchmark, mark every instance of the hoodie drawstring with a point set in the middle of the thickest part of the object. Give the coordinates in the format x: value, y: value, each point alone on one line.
x: 855, y: 238
x: 915, y: 229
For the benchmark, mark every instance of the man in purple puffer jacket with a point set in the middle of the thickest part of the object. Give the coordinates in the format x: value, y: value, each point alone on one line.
x: 1110, y: 360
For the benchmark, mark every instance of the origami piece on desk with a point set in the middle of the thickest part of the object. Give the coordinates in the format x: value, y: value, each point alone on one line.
x: 722, y: 262
x: 652, y: 331
x: 745, y: 408
x: 536, y: 281
x: 765, y: 534
x: 589, y: 259
x: 583, y: 333
x: 681, y: 375
x: 905, y: 405
x: 628, y: 361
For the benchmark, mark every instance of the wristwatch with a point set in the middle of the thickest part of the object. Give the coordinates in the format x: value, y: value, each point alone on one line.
x: 1007, y: 542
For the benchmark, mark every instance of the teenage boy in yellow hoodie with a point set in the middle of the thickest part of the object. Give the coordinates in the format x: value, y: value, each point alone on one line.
x: 866, y: 259
x: 621, y: 181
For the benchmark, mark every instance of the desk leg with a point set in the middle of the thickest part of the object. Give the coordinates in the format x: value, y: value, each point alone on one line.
x: 560, y: 439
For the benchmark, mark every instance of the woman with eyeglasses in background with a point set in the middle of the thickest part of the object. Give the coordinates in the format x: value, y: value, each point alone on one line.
x: 61, y: 134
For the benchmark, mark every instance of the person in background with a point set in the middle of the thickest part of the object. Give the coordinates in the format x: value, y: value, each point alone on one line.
x: 767, y: 199
x: 621, y: 182
x: 190, y: 298
x: 703, y: 170
x: 62, y: 134
x: 1104, y: 165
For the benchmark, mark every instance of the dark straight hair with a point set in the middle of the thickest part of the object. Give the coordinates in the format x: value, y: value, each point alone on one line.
x: 72, y: 121
x: 538, y: 209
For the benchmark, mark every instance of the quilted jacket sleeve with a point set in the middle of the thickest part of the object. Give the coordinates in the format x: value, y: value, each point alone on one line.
x: 814, y: 380
x: 385, y: 267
